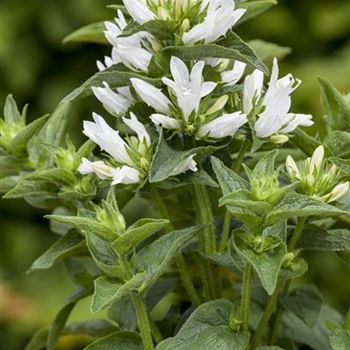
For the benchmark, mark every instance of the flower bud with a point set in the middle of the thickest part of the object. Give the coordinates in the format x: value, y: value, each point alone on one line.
x: 279, y: 139
x: 185, y: 25
x: 218, y: 105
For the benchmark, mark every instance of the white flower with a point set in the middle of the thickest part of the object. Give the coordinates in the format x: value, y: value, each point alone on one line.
x: 164, y: 121
x: 223, y: 126
x: 189, y: 88
x: 220, y: 17
x: 100, y: 168
x: 125, y: 175
x: 107, y: 138
x: 232, y: 76
x: 252, y: 89
x: 138, y: 127
x: 338, y: 191
x: 115, y: 103
x: 275, y: 117
x: 151, y: 95
x: 139, y: 10
x: 187, y: 164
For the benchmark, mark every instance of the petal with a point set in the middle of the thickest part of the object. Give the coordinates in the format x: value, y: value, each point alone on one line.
x: 125, y: 175
x: 151, y: 95
x: 179, y: 71
x: 138, y: 127
x: 207, y: 88
x: 253, y: 84
x: 139, y: 11
x: 187, y: 164
x: 295, y: 121
x: 101, y: 169
x: 165, y: 121
x: 223, y: 126
x: 232, y: 76
x: 317, y: 158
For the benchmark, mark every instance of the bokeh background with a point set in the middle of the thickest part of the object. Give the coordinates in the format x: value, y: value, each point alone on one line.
x: 38, y: 69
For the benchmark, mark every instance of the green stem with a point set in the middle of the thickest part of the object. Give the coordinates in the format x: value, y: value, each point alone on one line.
x: 180, y: 261
x: 246, y: 292
x: 143, y: 322
x: 227, y: 218
x: 271, y: 302
x: 142, y: 317
x: 274, y: 297
x: 207, y: 242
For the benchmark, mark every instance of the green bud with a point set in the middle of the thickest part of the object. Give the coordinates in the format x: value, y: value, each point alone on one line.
x: 218, y: 105
x: 185, y: 25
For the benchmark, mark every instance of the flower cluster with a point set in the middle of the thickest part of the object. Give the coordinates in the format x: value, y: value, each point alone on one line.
x: 317, y: 178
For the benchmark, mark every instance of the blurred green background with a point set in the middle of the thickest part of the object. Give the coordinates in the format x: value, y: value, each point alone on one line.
x: 39, y: 70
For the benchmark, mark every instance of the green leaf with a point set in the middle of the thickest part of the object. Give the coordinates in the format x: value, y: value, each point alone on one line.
x: 32, y: 188
x: 316, y: 238
x: 109, y: 290
x: 339, y: 143
x: 304, y: 302
x: 11, y: 112
x: 269, y: 348
x: 91, y: 33
x: 338, y: 336
x: 267, y: 261
x: 232, y: 46
x: 115, y: 76
x: 305, y: 142
x: 62, y: 316
x: 207, y: 328
x: 268, y: 51
x: 294, y: 269
x: 255, y: 8
x: 294, y: 328
x: 123, y: 313
x: 92, y: 328
x: 57, y: 176
x: 18, y: 145
x: 166, y: 159
x: 296, y: 205
x: 342, y: 164
x: 119, y: 340
x: 85, y: 225
x: 337, y: 108
x: 138, y: 232
x: 104, y: 256
x: 68, y: 245
x: 155, y: 257
x: 10, y: 165
x: 82, y: 270
x: 229, y: 181
x: 38, y: 340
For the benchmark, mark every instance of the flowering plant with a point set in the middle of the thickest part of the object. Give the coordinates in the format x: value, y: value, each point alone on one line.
x: 199, y: 128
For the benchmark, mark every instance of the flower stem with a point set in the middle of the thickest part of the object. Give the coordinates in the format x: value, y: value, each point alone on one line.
x: 205, y: 217
x: 143, y: 322
x: 227, y: 218
x: 180, y: 261
x: 271, y: 303
x: 142, y: 317
x: 246, y: 291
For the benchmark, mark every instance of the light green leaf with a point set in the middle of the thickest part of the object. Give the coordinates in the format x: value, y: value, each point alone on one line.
x: 91, y: 33
x: 338, y: 110
x: 255, y: 8
x: 85, y: 225
x: 305, y: 142
x: 119, y: 340
x: 207, y: 328
x: 229, y: 181
x: 115, y: 76
x: 155, y: 257
x: 10, y: 165
x: 38, y: 340
x: 296, y: 205
x: 338, y: 336
x: 32, y: 188
x: 267, y: 261
x: 109, y: 290
x: 136, y: 233
x: 11, y: 112
x: 61, y: 318
x: 18, y: 145
x: 269, y: 348
x: 68, y: 245
x: 296, y: 268
x: 54, y: 175
x: 268, y: 51
x: 316, y: 238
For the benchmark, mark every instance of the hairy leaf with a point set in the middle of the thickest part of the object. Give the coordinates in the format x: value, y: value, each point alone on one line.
x: 91, y: 33
x: 119, y: 340
x: 255, y: 8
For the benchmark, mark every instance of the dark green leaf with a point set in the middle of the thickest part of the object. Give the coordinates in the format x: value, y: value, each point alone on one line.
x: 339, y: 143
x: 92, y: 328
x: 304, y: 141
x: 38, y: 340
x: 123, y: 313
x: 68, y: 245
x: 207, y: 328
x: 118, y: 341
x: 136, y: 233
x: 255, y: 8
x: 342, y: 164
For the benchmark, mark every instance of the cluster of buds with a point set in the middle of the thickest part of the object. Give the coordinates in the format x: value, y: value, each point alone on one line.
x: 318, y: 178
